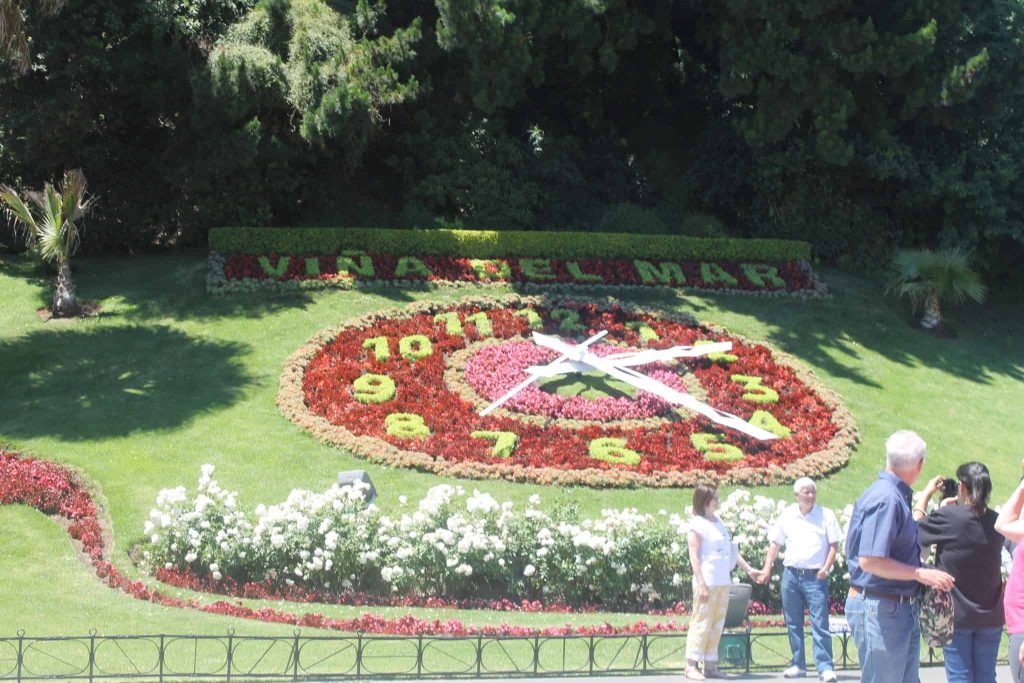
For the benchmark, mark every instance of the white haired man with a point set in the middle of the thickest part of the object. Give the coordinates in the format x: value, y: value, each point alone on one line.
x: 810, y: 534
x: 883, y: 551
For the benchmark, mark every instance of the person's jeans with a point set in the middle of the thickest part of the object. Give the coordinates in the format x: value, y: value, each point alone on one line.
x: 801, y: 590
x: 888, y: 638
x: 1016, y: 640
x: 971, y: 657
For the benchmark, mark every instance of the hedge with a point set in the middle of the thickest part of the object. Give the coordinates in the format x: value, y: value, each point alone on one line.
x: 485, y: 244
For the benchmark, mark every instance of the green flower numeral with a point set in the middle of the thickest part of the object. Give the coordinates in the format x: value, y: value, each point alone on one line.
x: 646, y: 332
x: 765, y: 420
x: 721, y: 357
x: 452, y: 323
x: 482, y: 324
x: 570, y: 319
x: 380, y: 348
x: 454, y: 326
x: 406, y: 426
x: 532, y: 318
x: 373, y: 388
x: 755, y: 391
x: 613, y: 450
x: 711, y: 446
x: 415, y: 346
x: 504, y: 442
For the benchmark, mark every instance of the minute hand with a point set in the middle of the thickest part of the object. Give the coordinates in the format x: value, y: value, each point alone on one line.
x: 655, y: 387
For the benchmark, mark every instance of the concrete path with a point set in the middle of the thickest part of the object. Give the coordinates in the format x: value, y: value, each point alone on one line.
x: 931, y: 674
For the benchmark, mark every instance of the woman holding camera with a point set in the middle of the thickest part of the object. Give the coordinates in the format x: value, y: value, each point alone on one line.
x: 969, y: 548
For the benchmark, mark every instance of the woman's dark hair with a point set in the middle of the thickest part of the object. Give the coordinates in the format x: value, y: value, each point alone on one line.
x: 975, y: 478
x: 702, y: 495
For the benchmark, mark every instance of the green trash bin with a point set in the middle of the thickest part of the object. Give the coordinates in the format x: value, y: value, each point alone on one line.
x: 732, y: 650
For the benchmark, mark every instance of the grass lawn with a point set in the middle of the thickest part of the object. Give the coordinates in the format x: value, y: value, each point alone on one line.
x: 168, y: 378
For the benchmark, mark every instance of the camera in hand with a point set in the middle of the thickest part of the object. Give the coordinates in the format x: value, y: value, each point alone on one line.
x: 950, y: 487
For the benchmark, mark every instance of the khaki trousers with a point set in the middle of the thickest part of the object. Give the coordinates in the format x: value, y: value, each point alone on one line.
x: 706, y: 625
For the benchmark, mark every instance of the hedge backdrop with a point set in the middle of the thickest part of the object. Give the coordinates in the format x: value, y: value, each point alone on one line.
x: 855, y: 125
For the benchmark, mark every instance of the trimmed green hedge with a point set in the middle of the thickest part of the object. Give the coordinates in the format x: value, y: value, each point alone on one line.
x: 492, y: 244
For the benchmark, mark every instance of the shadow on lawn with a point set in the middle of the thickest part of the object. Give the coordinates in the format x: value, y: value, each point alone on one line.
x: 834, y: 334
x: 80, y: 384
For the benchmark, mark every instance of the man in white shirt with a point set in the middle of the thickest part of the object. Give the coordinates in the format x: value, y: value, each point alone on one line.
x: 810, y: 534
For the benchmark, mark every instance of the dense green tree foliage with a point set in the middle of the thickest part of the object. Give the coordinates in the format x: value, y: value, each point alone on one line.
x: 858, y: 126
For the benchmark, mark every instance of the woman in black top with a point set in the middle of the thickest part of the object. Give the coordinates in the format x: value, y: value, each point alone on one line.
x: 970, y: 549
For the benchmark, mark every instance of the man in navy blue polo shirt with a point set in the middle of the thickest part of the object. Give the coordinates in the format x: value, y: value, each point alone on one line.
x: 884, y: 556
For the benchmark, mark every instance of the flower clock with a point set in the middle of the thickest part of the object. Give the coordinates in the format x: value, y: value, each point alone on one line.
x: 565, y: 391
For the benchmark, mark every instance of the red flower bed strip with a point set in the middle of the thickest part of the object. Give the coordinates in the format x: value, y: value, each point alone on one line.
x: 344, y: 271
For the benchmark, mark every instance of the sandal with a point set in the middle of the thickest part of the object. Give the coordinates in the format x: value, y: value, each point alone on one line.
x: 694, y: 674
x: 713, y: 671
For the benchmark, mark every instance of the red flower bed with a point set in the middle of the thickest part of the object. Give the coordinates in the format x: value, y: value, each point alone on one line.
x: 443, y: 440
x: 55, y: 490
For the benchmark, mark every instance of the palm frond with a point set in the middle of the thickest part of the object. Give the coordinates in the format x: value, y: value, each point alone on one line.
x: 76, y: 201
x: 947, y: 272
x: 51, y: 7
x: 19, y: 211
x: 13, y: 40
x: 58, y: 239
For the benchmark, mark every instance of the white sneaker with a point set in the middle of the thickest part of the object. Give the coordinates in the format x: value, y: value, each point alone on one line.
x: 828, y: 676
x: 794, y: 672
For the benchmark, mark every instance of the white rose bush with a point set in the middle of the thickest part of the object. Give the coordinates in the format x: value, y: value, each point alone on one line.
x: 451, y: 545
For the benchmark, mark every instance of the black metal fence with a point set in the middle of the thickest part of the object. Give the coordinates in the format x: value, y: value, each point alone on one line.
x: 234, y: 657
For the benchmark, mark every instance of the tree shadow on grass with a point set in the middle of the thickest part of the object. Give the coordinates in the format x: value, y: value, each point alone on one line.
x: 81, y: 384
x: 173, y: 286
x: 835, y: 334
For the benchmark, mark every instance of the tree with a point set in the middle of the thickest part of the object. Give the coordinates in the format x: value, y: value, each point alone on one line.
x: 53, y: 230
x: 933, y: 277
x: 13, y: 39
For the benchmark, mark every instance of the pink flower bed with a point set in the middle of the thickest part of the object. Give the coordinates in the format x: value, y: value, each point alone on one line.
x: 495, y: 369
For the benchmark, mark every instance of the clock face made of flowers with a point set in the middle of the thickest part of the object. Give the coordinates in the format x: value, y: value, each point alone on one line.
x: 406, y: 388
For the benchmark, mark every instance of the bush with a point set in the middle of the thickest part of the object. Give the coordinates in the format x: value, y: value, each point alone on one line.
x: 506, y: 244
x: 452, y: 545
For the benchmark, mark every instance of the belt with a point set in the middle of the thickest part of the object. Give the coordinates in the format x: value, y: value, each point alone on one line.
x: 803, y: 572
x: 876, y: 595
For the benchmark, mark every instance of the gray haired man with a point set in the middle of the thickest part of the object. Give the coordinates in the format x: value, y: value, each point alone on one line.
x: 883, y: 550
x: 810, y: 534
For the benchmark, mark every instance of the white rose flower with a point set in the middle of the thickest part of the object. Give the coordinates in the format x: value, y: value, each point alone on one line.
x: 529, y: 570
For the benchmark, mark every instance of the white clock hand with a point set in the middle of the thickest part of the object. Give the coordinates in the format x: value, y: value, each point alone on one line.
x: 655, y: 387
x: 654, y: 355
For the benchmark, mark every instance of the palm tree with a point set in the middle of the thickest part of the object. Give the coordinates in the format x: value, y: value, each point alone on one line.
x: 53, y: 230
x: 932, y: 277
x: 13, y: 39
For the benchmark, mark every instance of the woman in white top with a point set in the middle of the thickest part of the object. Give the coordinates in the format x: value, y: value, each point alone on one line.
x: 712, y: 556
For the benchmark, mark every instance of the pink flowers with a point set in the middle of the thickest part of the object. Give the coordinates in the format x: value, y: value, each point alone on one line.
x: 495, y: 369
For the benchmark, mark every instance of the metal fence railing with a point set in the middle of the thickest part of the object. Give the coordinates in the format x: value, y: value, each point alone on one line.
x: 233, y: 657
